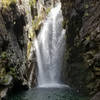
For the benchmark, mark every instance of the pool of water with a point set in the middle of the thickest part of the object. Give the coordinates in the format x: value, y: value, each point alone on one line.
x: 47, y: 94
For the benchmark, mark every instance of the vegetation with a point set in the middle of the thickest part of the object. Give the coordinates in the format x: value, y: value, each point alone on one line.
x: 6, y: 68
x: 36, y: 25
x: 32, y: 2
x: 6, y: 3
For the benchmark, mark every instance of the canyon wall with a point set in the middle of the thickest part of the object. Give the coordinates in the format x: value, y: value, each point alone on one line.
x: 82, y: 57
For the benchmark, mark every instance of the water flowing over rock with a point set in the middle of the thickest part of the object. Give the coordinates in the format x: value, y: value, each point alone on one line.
x: 50, y: 46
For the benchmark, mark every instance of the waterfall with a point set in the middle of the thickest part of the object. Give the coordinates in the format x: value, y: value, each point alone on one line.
x: 50, y: 47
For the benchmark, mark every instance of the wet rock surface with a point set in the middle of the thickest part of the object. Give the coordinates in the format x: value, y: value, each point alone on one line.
x: 13, y: 47
x: 96, y: 97
x: 82, y: 24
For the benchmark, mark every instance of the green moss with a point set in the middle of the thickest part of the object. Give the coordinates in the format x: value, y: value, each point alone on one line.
x: 64, y: 23
x: 48, y: 10
x: 29, y: 44
x: 12, y: 72
x: 86, y: 14
x: 3, y: 55
x: 37, y: 21
x: 6, y: 3
x: 36, y: 25
x: 86, y: 6
x: 5, y: 67
x: 2, y: 72
x: 5, y: 80
x: 32, y: 2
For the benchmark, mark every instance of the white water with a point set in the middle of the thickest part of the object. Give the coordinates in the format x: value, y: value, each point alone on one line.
x: 50, y: 46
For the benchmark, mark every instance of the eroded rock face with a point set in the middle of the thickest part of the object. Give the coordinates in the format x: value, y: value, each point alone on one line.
x: 96, y: 97
x: 13, y: 46
x: 17, y: 32
x: 82, y: 24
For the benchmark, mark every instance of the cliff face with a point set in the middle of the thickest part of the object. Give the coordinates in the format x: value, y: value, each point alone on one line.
x: 82, y: 58
x: 20, y: 22
x: 15, y: 65
x: 13, y: 46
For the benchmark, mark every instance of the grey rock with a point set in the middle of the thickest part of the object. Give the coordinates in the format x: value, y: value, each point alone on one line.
x: 3, y: 93
x: 96, y: 97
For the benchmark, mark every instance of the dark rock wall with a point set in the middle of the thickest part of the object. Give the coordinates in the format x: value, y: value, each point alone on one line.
x: 82, y: 57
x: 13, y: 47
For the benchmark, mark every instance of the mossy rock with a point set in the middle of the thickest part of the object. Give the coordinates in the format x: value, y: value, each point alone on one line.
x: 3, y: 55
x: 6, y: 80
x: 6, y: 3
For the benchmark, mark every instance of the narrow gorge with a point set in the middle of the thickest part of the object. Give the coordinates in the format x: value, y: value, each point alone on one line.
x: 49, y: 50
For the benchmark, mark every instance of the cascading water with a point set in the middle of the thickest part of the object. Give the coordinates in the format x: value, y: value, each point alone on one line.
x: 50, y: 46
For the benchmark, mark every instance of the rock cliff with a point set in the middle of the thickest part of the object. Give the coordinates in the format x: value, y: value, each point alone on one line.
x: 14, y: 62
x: 82, y: 57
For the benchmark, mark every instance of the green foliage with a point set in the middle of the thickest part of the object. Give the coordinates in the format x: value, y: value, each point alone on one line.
x: 86, y: 6
x: 86, y: 14
x: 48, y: 10
x: 2, y: 72
x: 2, y: 75
x: 5, y: 80
x: 29, y: 44
x: 5, y: 64
x: 36, y: 25
x: 32, y: 2
x: 3, y: 55
x: 13, y: 72
x: 6, y: 3
x: 36, y: 22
